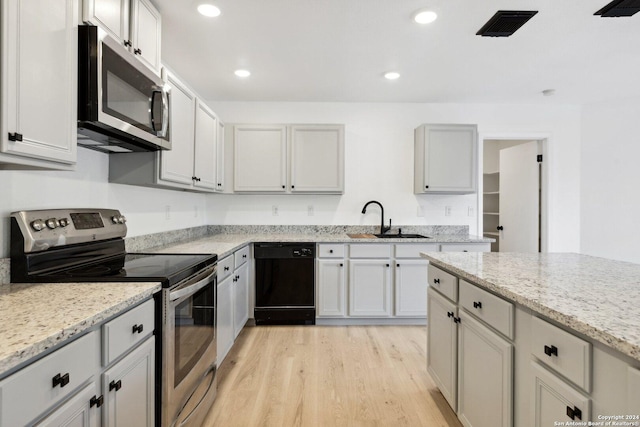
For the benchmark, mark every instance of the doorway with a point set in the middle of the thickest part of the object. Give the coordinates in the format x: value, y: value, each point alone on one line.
x: 513, y: 194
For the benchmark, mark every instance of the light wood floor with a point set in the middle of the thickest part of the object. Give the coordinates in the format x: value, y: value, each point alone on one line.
x: 328, y: 376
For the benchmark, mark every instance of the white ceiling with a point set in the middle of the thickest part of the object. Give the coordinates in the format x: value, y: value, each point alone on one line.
x: 338, y: 50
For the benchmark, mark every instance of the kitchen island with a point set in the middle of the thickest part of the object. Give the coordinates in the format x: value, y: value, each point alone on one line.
x: 537, y: 338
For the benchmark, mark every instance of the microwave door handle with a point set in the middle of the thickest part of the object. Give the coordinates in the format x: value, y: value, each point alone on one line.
x: 165, y: 114
x: 152, y: 110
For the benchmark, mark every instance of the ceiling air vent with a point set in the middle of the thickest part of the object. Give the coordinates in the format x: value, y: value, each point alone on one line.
x: 619, y: 8
x: 505, y: 22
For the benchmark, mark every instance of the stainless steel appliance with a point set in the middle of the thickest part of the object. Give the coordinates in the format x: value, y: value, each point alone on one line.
x: 122, y: 105
x: 87, y: 245
x: 285, y: 283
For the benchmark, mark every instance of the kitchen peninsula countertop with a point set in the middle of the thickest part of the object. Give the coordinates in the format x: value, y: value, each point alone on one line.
x: 36, y: 317
x: 597, y: 297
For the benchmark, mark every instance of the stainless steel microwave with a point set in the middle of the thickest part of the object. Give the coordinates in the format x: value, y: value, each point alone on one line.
x: 123, y: 106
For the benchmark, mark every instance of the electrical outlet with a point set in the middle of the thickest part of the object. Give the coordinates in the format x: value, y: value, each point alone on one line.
x: 274, y: 210
x: 447, y: 211
x: 471, y: 211
x: 310, y: 210
x: 420, y: 212
x: 167, y: 212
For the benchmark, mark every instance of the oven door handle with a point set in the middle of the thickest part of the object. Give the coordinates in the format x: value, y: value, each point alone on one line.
x: 190, y: 287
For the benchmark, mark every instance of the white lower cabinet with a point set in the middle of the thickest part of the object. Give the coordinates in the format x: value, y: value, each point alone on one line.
x: 63, y: 388
x: 410, y: 288
x: 467, y: 358
x: 485, y: 375
x: 331, y: 280
x: 234, y: 281
x: 370, y: 288
x: 225, y: 332
x: 555, y: 401
x: 128, y: 389
x: 442, y: 346
x: 79, y: 411
x: 240, y: 298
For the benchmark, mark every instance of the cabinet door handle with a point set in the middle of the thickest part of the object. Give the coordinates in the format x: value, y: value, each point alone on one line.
x: 549, y: 351
x: 436, y: 281
x: 244, y: 255
x: 477, y: 304
x: 387, y: 265
x: 61, y: 380
x: 137, y: 329
x: 330, y: 251
x: 426, y: 186
x: 115, y: 385
x: 137, y: 51
x: 449, y: 313
x: 397, y: 265
x: 15, y: 136
x: 500, y: 228
x: 127, y: 43
x: 283, y: 186
x: 96, y: 401
x: 341, y: 265
x: 293, y: 186
x: 456, y: 320
x: 574, y: 413
x: 226, y: 268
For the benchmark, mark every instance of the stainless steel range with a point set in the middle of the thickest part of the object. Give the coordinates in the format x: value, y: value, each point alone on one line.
x: 87, y: 245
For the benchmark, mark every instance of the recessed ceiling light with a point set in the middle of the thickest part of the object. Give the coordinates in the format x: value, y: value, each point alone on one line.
x: 209, y: 10
x: 548, y: 92
x: 242, y: 73
x: 425, y: 16
x: 391, y: 75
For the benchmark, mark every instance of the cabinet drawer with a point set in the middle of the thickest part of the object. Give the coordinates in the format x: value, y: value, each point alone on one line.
x: 330, y: 251
x: 487, y: 307
x: 567, y: 354
x: 465, y: 247
x: 225, y: 268
x: 29, y: 392
x: 366, y: 250
x: 443, y: 282
x: 412, y: 250
x: 241, y: 256
x: 119, y: 335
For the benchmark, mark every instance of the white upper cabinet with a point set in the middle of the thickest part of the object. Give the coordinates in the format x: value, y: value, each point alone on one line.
x: 176, y: 165
x: 135, y: 23
x: 260, y: 158
x: 146, y: 29
x: 39, y: 66
x: 445, y: 159
x: 289, y: 158
x: 317, y: 159
x: 220, y: 157
x: 204, y: 163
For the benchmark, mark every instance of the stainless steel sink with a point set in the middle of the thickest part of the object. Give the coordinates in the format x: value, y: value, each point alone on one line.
x: 401, y: 236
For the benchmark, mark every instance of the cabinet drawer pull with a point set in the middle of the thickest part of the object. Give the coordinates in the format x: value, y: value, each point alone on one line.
x: 436, y: 281
x: 397, y: 265
x: 341, y: 265
x: 387, y: 265
x: 96, y: 401
x: 137, y: 51
x: 61, y: 380
x: 549, y: 351
x: 574, y: 413
x: 226, y: 268
x: 330, y: 251
x: 477, y: 304
x: 137, y: 328
x: 244, y: 255
x: 449, y: 313
x: 115, y: 385
x: 127, y: 43
x: 456, y: 320
x: 15, y: 136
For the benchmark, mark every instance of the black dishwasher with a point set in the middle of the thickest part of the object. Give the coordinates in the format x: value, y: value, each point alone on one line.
x: 285, y: 283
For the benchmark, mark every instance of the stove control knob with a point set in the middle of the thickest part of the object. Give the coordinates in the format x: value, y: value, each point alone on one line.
x: 38, y: 224
x: 123, y: 219
x: 63, y: 222
x: 52, y: 223
x: 114, y: 219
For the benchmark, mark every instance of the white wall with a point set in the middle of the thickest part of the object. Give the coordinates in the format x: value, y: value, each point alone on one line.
x: 88, y: 186
x: 610, y: 202
x: 379, y: 164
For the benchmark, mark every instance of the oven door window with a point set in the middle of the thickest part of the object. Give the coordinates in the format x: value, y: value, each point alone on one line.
x: 194, y: 330
x: 128, y: 95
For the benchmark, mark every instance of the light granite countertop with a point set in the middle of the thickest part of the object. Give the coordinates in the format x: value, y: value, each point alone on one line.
x: 226, y: 243
x: 597, y: 297
x: 36, y: 317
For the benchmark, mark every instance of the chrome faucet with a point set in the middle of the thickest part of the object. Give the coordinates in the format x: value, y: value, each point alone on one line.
x: 383, y: 229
